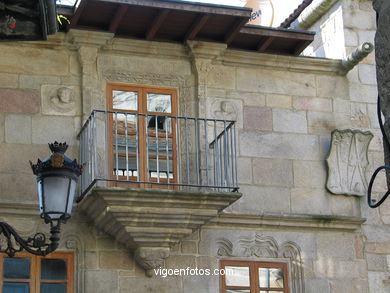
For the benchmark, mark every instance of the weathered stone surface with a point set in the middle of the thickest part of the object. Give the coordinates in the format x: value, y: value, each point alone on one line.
x: 363, y: 93
x: 8, y: 80
x: 376, y: 262
x: 244, y: 170
x: 325, y: 122
x: 18, y: 129
x: 27, y: 60
x: 317, y: 285
x: 332, y: 86
x: 18, y: 188
x: 257, y: 118
x: 315, y: 104
x: 290, y: 121
x: 222, y: 77
x: 343, y: 269
x: 274, y: 172
x: 156, y: 284
x: 18, y: 156
x: 275, y: 82
x: 341, y: 106
x: 180, y: 262
x: 309, y: 201
x: 101, y: 281
x: 249, y: 99
x: 348, y: 161
x: 378, y: 282
x: 278, y: 101
x: 19, y: 101
x: 2, y: 127
x: 334, y: 245
x: 258, y: 199
x: 30, y: 81
x: 344, y: 205
x: 189, y: 247
x: 350, y: 286
x: 277, y: 145
x: 118, y: 260
x: 309, y: 174
x: 367, y: 74
x: 50, y: 128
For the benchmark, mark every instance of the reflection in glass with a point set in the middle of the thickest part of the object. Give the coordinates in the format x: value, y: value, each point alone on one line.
x: 238, y: 276
x: 53, y: 269
x: 16, y: 268
x: 271, y: 277
x: 263, y: 291
x: 159, y: 103
x: 53, y: 288
x: 124, y: 100
x: 237, y: 291
x: 9, y: 287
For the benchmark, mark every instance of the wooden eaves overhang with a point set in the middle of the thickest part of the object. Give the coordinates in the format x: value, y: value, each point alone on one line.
x: 179, y: 21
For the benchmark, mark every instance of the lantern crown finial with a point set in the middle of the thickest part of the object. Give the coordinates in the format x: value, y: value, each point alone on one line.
x: 58, y: 147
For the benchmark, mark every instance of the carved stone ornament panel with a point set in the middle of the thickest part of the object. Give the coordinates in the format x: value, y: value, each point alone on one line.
x: 266, y: 247
x: 348, y: 161
x: 61, y: 100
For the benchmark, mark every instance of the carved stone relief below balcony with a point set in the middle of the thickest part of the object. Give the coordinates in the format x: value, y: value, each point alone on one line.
x: 150, y: 221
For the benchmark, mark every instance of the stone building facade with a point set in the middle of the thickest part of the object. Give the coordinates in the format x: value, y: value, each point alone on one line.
x: 286, y: 108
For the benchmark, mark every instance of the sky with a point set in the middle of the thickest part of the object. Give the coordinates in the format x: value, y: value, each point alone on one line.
x: 282, y: 8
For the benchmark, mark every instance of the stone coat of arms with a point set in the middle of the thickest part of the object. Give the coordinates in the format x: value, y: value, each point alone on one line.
x: 347, y: 162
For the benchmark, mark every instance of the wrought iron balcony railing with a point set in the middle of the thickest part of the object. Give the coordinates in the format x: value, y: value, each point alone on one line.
x: 172, y: 152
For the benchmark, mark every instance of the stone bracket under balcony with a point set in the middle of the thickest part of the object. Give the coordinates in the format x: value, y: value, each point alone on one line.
x: 151, y: 221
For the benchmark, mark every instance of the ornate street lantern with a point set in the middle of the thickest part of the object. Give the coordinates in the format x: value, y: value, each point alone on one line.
x: 56, y: 179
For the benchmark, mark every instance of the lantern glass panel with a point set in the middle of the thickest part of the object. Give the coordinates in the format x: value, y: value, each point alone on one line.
x: 53, y: 193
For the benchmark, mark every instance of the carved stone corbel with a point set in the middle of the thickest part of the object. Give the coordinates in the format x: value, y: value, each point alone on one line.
x: 151, y: 258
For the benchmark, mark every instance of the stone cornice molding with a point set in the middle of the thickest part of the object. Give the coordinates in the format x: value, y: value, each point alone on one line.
x: 146, y: 49
x: 228, y: 220
x: 286, y: 221
x: 206, y: 50
x: 81, y: 38
x: 284, y: 63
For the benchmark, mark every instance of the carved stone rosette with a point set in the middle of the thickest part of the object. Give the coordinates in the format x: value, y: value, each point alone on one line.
x: 348, y: 161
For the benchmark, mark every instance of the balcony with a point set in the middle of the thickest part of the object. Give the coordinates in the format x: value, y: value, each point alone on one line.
x: 151, y: 180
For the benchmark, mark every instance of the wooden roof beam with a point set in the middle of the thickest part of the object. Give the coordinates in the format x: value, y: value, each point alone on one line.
x: 196, y: 27
x: 235, y: 30
x: 116, y: 20
x: 301, y: 46
x: 157, y: 22
x: 263, y: 45
x: 187, y: 6
x: 76, y: 16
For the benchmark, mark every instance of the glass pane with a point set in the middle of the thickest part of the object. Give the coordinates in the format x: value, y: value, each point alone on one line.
x: 16, y: 268
x: 53, y: 269
x: 164, y: 124
x: 9, y: 287
x: 271, y: 277
x: 237, y: 291
x: 53, y: 288
x: 263, y: 291
x: 159, y: 103
x: 237, y: 276
x: 124, y: 100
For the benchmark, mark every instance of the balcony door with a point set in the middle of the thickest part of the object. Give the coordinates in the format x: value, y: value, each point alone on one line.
x: 142, y: 135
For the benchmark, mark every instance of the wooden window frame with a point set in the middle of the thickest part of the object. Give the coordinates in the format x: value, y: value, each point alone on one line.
x: 35, y: 270
x: 142, y: 92
x: 254, y: 286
